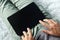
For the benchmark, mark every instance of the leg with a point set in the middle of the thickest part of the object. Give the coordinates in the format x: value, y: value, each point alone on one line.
x: 43, y: 36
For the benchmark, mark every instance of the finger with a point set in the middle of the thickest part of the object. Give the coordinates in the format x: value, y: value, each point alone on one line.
x: 53, y: 21
x: 25, y: 34
x: 22, y: 37
x: 44, y: 24
x: 29, y: 32
x: 48, y: 21
x: 48, y: 32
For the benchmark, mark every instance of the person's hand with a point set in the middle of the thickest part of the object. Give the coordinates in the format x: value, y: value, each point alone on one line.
x: 54, y: 27
x: 28, y: 35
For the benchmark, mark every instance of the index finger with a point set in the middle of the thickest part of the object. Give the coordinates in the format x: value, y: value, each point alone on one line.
x: 25, y: 34
x: 44, y: 24
x: 29, y: 32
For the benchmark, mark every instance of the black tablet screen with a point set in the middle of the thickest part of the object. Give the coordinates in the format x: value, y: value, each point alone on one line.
x: 29, y: 16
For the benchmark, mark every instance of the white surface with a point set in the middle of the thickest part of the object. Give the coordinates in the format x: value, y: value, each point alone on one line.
x: 5, y: 33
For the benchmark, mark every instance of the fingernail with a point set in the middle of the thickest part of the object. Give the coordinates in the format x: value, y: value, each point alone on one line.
x: 23, y: 31
x: 40, y: 21
x: 27, y: 28
x: 45, y: 20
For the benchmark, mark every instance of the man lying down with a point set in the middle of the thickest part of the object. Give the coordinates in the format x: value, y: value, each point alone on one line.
x: 51, y: 33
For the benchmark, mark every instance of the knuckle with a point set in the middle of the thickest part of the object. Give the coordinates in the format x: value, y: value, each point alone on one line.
x: 55, y: 22
x: 26, y: 37
x: 30, y: 36
x: 53, y: 25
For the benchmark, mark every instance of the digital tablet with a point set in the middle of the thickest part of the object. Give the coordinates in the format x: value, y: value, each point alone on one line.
x: 28, y: 17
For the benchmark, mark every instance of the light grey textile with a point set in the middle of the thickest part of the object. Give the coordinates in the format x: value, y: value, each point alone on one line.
x: 5, y: 33
x: 51, y: 8
x: 43, y: 36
